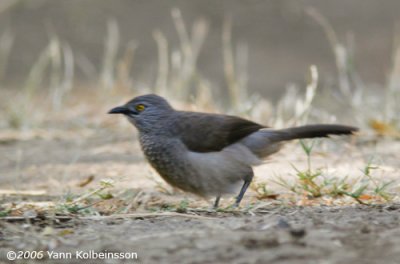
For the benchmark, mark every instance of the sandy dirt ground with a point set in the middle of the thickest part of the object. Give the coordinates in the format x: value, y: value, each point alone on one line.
x: 350, y: 234
x: 40, y: 168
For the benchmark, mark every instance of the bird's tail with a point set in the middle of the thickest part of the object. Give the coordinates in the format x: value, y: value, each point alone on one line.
x: 267, y: 141
x: 313, y: 131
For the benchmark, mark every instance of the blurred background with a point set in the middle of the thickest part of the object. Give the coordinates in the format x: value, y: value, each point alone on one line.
x: 275, y: 41
x: 64, y: 64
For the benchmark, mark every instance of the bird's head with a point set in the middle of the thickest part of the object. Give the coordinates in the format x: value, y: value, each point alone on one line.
x: 145, y: 112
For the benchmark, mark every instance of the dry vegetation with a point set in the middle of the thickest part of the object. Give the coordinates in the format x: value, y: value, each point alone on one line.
x: 66, y: 120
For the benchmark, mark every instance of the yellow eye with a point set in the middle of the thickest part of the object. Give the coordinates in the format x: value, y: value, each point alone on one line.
x: 140, y: 107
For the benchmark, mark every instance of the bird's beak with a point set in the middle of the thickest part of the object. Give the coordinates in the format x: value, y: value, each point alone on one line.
x: 120, y: 110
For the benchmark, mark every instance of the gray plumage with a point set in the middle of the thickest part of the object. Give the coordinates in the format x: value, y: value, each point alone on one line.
x: 208, y: 154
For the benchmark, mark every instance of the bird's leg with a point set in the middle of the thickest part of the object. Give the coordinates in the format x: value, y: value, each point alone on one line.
x: 216, y: 203
x: 242, y: 192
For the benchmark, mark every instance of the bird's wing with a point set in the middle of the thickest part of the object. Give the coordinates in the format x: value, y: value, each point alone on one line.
x: 212, y: 132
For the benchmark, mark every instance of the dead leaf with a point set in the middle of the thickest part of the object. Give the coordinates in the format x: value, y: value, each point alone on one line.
x: 384, y: 128
x: 65, y: 232
x: 86, y: 181
x: 273, y: 196
x: 367, y: 197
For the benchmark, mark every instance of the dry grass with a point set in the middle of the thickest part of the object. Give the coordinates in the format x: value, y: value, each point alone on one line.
x: 179, y: 79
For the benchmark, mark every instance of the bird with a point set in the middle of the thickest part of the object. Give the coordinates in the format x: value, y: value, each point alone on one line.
x: 209, y: 154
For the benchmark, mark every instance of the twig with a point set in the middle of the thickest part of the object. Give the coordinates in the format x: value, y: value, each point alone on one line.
x: 62, y: 218
x: 145, y: 215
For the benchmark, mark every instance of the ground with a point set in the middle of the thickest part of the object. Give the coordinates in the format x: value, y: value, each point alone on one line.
x: 84, y: 185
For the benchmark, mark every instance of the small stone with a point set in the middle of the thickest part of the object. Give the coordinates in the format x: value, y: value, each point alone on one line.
x: 298, y: 232
x: 365, y: 229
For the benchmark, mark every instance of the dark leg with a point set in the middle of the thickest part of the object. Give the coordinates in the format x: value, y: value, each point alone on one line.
x: 216, y: 203
x: 242, y: 192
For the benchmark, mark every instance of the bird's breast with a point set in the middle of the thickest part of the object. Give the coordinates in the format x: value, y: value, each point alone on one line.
x: 161, y: 154
x: 211, y: 173
x: 168, y: 156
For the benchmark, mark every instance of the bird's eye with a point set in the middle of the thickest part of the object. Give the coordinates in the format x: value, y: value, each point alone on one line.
x: 140, y: 107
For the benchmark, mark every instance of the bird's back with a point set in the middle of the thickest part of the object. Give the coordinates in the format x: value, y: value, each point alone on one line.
x: 203, y: 132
